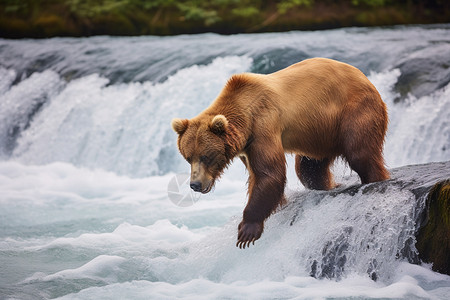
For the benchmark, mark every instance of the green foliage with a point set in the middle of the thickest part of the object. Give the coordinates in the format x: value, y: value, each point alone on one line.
x: 151, y: 4
x: 245, y: 12
x: 210, y: 11
x: 286, y: 5
x: 41, y: 18
x: 13, y: 6
x: 373, y: 3
x: 194, y: 12
x: 91, y: 8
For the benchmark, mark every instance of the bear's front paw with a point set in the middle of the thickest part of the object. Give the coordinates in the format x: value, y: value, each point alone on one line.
x: 249, y: 233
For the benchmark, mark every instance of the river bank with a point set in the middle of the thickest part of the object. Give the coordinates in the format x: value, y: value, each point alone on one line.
x: 44, y: 19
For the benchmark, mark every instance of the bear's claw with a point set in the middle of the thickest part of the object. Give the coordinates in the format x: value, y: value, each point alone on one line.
x: 248, y: 233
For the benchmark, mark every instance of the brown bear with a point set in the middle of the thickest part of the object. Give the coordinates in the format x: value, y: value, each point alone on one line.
x: 318, y: 109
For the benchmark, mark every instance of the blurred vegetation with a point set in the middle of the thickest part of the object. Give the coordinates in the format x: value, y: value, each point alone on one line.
x: 47, y: 18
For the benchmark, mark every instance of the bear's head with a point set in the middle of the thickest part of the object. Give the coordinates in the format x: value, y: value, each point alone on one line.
x: 202, y: 143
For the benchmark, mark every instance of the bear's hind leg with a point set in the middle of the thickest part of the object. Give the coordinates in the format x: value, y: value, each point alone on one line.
x: 314, y: 174
x: 370, y: 168
x: 362, y: 134
x: 364, y: 154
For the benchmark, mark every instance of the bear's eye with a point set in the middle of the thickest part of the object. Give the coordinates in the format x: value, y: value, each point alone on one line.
x: 204, y: 159
x: 189, y: 159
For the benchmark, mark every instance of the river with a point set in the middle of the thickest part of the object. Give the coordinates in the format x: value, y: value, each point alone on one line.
x: 87, y: 155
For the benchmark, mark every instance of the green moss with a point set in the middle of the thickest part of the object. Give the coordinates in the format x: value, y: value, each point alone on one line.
x: 433, y: 239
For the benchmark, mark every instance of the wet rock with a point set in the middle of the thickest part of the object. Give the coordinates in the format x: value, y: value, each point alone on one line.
x: 426, y: 231
x: 433, y: 238
x: 420, y: 76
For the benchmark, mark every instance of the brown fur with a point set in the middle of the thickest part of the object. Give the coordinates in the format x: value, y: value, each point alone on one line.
x: 318, y: 109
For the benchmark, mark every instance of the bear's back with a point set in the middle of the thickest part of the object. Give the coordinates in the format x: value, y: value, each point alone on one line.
x: 320, y: 79
x: 314, y: 96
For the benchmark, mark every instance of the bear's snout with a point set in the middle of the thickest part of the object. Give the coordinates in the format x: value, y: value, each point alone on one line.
x: 196, y: 186
x: 201, y: 181
x: 200, y: 187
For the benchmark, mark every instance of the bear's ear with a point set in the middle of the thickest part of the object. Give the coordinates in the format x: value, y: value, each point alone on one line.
x: 180, y: 125
x: 219, y: 124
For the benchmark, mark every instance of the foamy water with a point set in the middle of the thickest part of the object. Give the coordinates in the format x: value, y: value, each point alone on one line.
x: 87, y: 155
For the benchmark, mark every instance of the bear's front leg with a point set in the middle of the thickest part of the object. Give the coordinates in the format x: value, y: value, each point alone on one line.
x: 249, y: 233
x: 267, y: 179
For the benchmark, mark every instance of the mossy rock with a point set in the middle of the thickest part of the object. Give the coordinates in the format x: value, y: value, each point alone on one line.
x: 433, y: 238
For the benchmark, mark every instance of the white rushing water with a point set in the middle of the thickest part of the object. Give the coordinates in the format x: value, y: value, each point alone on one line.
x: 87, y: 155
